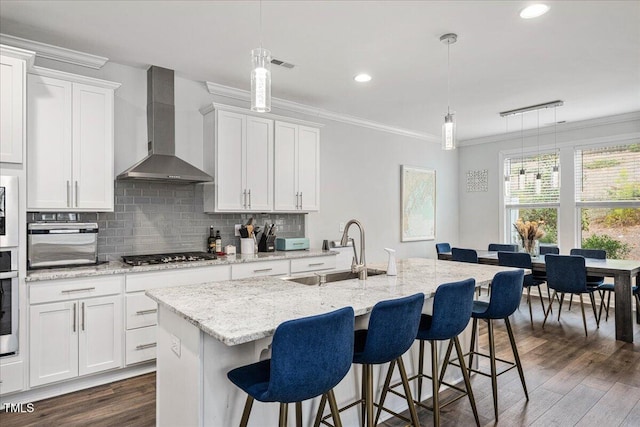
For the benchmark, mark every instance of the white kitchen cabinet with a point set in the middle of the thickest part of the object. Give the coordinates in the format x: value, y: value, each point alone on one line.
x: 302, y: 265
x: 76, y: 327
x: 74, y: 338
x: 297, y: 167
x: 69, y: 142
x: 11, y: 377
x: 13, y: 69
x: 243, y: 162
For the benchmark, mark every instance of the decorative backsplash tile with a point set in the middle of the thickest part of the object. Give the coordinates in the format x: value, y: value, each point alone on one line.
x: 154, y: 217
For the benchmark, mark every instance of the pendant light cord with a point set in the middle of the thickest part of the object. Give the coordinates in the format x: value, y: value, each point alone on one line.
x: 555, y: 134
x: 522, y: 141
x: 448, y: 76
x: 261, y: 25
x: 538, y: 141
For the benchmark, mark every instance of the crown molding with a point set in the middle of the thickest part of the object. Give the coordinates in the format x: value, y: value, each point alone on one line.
x: 562, y: 127
x: 56, y: 53
x: 240, y: 110
x: 14, y: 52
x: 62, y: 75
x: 243, y: 95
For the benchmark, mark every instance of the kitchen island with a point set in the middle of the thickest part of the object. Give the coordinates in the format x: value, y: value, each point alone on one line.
x: 208, y: 329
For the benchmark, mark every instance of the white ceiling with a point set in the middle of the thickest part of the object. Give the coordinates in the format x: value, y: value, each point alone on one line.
x: 586, y: 53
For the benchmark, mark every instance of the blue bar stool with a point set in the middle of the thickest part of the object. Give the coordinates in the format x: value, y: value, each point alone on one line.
x: 505, y: 299
x: 393, y: 325
x: 523, y: 260
x: 310, y: 356
x: 452, y: 305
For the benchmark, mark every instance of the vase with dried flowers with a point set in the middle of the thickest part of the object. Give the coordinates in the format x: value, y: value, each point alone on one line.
x: 530, y: 233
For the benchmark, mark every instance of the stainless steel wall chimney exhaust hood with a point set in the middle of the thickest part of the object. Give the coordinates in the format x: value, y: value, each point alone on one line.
x: 162, y: 164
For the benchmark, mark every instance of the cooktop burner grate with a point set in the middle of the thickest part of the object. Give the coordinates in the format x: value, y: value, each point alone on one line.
x: 137, y: 260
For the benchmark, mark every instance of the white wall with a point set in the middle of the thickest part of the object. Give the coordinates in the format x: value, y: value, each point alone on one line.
x: 481, y: 213
x: 360, y: 167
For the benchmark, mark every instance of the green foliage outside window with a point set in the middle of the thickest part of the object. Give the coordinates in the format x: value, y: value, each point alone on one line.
x: 615, y: 249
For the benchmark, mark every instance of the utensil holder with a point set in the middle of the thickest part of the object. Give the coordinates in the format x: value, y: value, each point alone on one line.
x: 247, y: 246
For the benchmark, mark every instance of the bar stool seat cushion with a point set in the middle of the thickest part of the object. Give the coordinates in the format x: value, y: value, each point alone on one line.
x: 502, y: 304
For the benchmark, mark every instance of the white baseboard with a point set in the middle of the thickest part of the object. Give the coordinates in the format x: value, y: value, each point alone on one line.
x: 69, y: 386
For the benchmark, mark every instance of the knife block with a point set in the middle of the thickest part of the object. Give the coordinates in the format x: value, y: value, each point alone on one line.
x: 267, y: 243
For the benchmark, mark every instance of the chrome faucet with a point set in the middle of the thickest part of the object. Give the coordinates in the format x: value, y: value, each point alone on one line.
x: 357, y: 266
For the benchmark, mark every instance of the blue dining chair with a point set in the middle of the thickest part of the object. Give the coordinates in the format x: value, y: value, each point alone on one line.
x: 464, y: 255
x: 443, y: 248
x: 502, y: 247
x: 567, y: 274
x: 452, y: 305
x: 392, y: 328
x: 310, y: 356
x: 523, y: 260
x: 592, y: 281
x: 505, y: 298
x: 549, y: 249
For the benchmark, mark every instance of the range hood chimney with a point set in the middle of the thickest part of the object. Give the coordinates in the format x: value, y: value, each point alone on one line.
x: 162, y: 164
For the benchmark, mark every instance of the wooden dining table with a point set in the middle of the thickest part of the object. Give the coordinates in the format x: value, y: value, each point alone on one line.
x: 622, y: 271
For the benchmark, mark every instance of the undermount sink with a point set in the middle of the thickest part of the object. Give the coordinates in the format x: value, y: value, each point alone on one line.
x: 337, y: 276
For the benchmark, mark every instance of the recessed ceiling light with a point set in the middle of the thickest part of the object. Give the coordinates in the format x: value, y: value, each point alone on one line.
x: 362, y: 78
x: 534, y: 11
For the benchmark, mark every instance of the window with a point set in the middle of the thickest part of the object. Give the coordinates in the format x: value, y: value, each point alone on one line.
x: 608, y: 199
x: 527, y: 203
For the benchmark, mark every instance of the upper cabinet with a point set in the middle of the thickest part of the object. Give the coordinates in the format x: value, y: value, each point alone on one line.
x: 69, y: 142
x: 243, y: 171
x: 259, y: 167
x: 13, y: 68
x: 297, y: 166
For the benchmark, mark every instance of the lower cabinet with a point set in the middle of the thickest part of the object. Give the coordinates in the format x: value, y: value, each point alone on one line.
x: 11, y: 377
x: 74, y: 337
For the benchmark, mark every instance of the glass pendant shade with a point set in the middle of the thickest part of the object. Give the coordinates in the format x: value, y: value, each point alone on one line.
x: 522, y: 179
x: 261, y: 80
x: 449, y: 133
x: 538, y: 183
x: 555, y: 177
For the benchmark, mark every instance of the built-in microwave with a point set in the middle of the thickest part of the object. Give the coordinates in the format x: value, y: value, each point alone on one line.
x: 8, y: 211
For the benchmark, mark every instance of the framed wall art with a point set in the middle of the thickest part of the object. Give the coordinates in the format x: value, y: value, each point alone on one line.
x: 418, y: 189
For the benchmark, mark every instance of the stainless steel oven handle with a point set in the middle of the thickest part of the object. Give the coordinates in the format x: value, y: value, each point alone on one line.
x: 8, y: 275
x: 68, y: 291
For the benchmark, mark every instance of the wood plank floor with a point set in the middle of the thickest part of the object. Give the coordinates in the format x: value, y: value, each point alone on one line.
x: 571, y: 379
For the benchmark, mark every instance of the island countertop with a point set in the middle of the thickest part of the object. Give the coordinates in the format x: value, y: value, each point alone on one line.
x: 240, y: 311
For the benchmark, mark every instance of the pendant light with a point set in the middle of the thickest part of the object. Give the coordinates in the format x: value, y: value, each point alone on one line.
x: 522, y: 176
x: 507, y: 168
x: 261, y: 76
x: 449, y: 126
x: 538, y: 175
x: 555, y: 174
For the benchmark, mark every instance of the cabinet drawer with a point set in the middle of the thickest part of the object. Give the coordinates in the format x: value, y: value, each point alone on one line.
x: 313, y: 264
x: 141, y: 311
x: 11, y: 378
x: 257, y: 269
x: 71, y: 289
x: 176, y: 277
x: 141, y: 345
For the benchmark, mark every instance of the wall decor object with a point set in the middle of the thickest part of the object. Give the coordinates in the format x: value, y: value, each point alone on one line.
x: 477, y: 181
x: 418, y: 190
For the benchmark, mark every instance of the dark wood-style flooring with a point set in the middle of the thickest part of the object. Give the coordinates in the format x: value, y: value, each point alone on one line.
x: 571, y: 379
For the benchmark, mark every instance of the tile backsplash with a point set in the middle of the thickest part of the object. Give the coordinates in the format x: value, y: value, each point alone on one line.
x: 154, y: 217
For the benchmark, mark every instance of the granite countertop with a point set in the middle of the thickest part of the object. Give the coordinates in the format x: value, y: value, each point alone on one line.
x: 118, y: 267
x: 240, y: 311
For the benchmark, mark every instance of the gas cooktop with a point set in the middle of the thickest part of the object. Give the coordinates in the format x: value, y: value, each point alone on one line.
x: 137, y: 260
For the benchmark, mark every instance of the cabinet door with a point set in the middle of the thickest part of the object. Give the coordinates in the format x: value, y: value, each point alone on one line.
x: 285, y: 184
x: 12, y: 81
x: 53, y: 340
x: 49, y: 152
x: 229, y: 181
x: 92, y: 148
x: 100, y: 334
x: 259, y: 164
x: 309, y: 168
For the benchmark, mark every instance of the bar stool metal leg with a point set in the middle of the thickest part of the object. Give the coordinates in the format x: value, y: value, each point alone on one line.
x: 467, y: 381
x: 516, y: 356
x: 407, y: 392
x: 323, y: 403
x: 284, y: 411
x: 435, y: 384
x: 420, y: 370
x: 247, y: 411
x: 298, y: 414
x: 335, y: 413
x: 494, y: 377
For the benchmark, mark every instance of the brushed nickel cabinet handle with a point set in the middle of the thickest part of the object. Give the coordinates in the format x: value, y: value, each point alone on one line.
x: 74, y: 317
x: 297, y: 200
x: 244, y: 198
x: 68, y: 194
x: 76, y: 194
x: 68, y: 291
x: 143, y: 312
x: 315, y: 264
x: 262, y: 270
x: 301, y: 200
x: 83, y: 316
x: 145, y: 346
x: 249, y: 198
